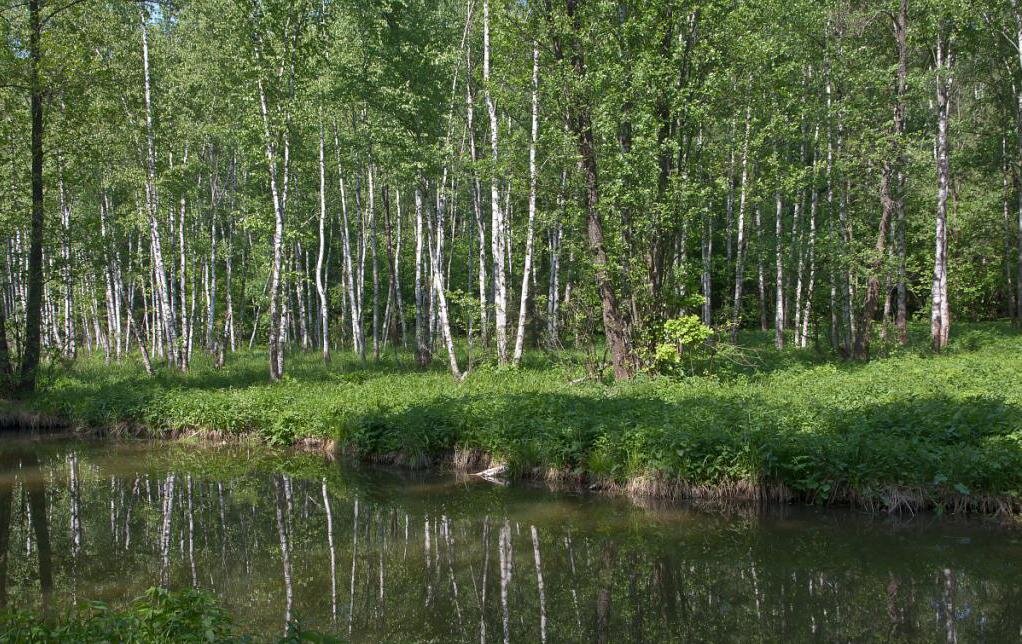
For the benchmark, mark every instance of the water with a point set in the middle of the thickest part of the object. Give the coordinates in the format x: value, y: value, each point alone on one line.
x: 392, y: 556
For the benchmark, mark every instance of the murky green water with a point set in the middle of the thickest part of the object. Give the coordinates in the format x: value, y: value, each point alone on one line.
x: 389, y: 556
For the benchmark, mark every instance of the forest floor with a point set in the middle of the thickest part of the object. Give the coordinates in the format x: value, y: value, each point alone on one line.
x: 907, y: 431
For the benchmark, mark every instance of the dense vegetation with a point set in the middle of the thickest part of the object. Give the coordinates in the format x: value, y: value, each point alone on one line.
x: 911, y: 430
x: 551, y: 196
x: 159, y: 616
x: 194, y: 176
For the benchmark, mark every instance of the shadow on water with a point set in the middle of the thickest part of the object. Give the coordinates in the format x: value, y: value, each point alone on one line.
x: 372, y: 556
x: 35, y: 507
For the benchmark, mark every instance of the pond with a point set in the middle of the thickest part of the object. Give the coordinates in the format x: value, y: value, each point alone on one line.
x: 375, y: 555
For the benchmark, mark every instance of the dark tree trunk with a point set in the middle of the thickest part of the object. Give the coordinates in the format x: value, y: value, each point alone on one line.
x: 581, y: 125
x: 34, y: 297
x: 5, y: 353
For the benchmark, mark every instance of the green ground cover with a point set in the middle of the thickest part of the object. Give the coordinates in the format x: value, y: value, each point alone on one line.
x: 907, y: 430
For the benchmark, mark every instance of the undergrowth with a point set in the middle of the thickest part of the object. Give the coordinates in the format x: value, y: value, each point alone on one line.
x: 907, y: 428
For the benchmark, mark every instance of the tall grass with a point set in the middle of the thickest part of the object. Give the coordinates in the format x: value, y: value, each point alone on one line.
x: 908, y: 430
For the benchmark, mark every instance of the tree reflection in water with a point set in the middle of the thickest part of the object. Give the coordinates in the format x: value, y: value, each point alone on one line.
x: 272, y: 536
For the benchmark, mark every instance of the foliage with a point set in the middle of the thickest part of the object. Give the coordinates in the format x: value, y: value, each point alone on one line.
x: 823, y: 430
x: 158, y: 616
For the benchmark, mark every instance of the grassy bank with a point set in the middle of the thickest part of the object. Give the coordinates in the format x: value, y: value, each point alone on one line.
x: 907, y: 431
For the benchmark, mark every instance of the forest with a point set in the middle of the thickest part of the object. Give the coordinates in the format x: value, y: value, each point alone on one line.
x: 690, y: 242
x: 471, y: 179
x: 470, y: 320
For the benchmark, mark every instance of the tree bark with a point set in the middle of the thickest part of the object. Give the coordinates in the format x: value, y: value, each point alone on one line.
x: 497, y: 224
x: 736, y: 319
x: 163, y: 306
x: 34, y: 296
x: 439, y: 295
x: 533, y: 177
x: 779, y: 274
x: 580, y: 123
x: 423, y: 353
x: 324, y: 320
x: 940, y: 322
x: 890, y: 190
x: 275, y: 342
x: 357, y: 336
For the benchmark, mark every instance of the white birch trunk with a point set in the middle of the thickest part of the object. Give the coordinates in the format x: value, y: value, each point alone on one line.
x: 736, y: 319
x: 779, y: 268
x: 533, y: 176
x: 940, y: 323
x: 497, y: 224
x: 324, y: 331
x: 161, y: 287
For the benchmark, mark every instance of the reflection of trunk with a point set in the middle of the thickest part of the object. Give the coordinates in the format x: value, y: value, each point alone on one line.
x: 167, y: 510
x: 603, y: 595
x: 285, y: 549
x: 574, y: 592
x: 75, y: 502
x: 429, y: 559
x: 333, y: 553
x: 450, y: 567
x: 950, y: 627
x: 191, y: 535
x: 539, y: 585
x: 486, y: 567
x: 505, y: 576
x: 40, y: 527
x: 354, y: 549
x: 6, y: 494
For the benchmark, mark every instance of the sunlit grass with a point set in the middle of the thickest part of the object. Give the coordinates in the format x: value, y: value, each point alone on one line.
x: 939, y: 426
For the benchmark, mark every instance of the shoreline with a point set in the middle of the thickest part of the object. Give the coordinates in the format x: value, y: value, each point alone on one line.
x: 891, y: 499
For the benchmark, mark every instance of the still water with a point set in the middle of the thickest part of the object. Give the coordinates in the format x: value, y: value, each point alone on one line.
x: 373, y: 555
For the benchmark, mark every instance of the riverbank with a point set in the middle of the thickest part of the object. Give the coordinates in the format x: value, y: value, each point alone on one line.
x: 907, y: 432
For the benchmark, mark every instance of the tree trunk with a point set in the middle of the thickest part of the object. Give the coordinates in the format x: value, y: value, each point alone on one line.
x: 497, y: 225
x: 533, y: 175
x: 423, y: 353
x: 438, y: 287
x: 357, y: 336
x: 706, y: 279
x: 580, y: 120
x: 161, y: 296
x: 371, y: 201
x: 275, y: 342
x: 65, y: 266
x: 940, y: 323
x: 477, y: 207
x: 5, y: 352
x: 324, y: 315
x: 34, y: 297
x: 736, y: 313
x: 779, y: 269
